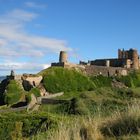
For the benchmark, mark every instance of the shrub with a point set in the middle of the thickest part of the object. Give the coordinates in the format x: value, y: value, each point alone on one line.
x: 23, y: 125
x: 74, y: 106
x: 13, y: 93
x: 102, y: 81
x: 34, y: 91
x: 131, y: 80
x: 60, y: 79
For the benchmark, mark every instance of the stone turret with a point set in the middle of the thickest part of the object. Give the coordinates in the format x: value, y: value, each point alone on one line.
x: 135, y: 59
x: 63, y: 57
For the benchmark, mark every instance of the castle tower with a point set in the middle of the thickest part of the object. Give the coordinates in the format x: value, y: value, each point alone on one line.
x: 119, y: 54
x: 135, y: 59
x: 12, y: 73
x: 63, y: 57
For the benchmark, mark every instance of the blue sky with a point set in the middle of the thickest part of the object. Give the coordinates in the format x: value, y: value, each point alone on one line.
x: 32, y: 32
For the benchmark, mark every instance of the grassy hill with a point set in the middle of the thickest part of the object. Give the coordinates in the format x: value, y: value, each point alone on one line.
x: 57, y: 79
x: 93, y: 109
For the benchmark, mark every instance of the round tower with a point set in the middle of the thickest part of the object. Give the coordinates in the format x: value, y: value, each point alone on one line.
x: 63, y: 57
x: 135, y: 59
x: 12, y: 73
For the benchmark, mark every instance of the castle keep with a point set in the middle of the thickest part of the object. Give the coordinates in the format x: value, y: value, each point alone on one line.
x: 127, y: 60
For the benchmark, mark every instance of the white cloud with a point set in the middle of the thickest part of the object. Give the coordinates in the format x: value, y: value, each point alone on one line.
x: 18, y: 14
x: 22, y: 66
x: 16, y: 42
x: 35, y: 5
x: 21, y: 43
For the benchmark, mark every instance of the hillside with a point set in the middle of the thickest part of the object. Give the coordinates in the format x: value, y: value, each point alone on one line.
x: 96, y: 107
x: 57, y: 79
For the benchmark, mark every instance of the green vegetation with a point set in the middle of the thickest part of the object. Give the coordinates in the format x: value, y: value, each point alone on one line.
x: 91, y: 108
x: 101, y: 81
x: 18, y: 125
x: 13, y: 93
x: 60, y: 79
x: 121, y: 125
x: 105, y: 99
x: 34, y: 91
x: 132, y: 80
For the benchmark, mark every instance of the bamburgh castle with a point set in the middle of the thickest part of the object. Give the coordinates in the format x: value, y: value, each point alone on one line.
x: 127, y: 61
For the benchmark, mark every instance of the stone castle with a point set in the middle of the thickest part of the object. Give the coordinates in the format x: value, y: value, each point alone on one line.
x: 127, y: 60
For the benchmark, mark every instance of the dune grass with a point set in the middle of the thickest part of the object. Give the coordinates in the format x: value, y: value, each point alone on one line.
x: 119, y: 125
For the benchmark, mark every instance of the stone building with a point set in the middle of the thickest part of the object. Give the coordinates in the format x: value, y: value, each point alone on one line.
x: 126, y: 59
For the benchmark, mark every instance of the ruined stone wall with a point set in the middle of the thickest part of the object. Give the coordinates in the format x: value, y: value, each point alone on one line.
x: 58, y: 64
x: 34, y: 81
x: 105, y: 71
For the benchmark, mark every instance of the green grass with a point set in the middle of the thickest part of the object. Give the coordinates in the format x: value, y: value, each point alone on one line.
x: 13, y: 93
x: 132, y: 80
x: 23, y: 125
x: 34, y: 91
x: 119, y: 125
x: 101, y: 81
x: 57, y: 79
x: 104, y: 100
x: 92, y: 109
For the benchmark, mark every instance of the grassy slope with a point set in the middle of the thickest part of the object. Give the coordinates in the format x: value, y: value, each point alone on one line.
x: 57, y: 79
x: 113, y: 113
x: 13, y: 93
x: 96, y: 114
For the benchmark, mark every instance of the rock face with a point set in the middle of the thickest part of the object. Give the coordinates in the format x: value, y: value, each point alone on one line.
x: 32, y: 80
x: 32, y: 103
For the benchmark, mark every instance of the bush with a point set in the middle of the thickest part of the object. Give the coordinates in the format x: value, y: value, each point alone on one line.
x: 60, y: 79
x: 34, y: 91
x: 131, y: 80
x: 75, y: 106
x: 13, y: 93
x: 102, y: 81
x: 23, y: 125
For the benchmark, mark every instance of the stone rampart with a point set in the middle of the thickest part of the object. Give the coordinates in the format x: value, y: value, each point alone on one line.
x: 105, y: 71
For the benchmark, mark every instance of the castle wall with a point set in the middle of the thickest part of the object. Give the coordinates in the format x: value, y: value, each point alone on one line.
x: 58, y: 64
x: 105, y: 71
x: 112, y: 62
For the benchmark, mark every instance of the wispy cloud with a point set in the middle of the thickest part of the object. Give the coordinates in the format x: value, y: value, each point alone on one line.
x: 13, y: 36
x: 22, y: 66
x: 16, y: 41
x: 35, y: 5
